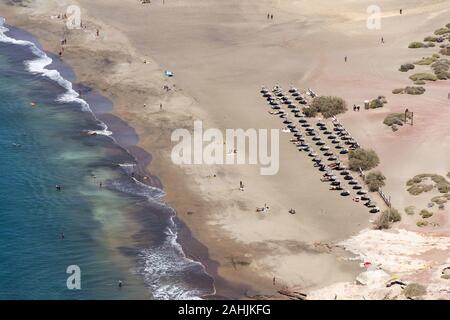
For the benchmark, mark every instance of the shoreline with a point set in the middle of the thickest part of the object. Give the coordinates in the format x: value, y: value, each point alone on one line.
x: 125, y: 138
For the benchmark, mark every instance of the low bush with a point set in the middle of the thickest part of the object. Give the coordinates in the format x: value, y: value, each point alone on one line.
x: 406, y: 67
x: 387, y: 217
x: 421, y: 223
x: 362, y: 158
x: 378, y: 102
x: 410, y: 210
x: 416, y: 45
x: 414, y: 90
x: 417, y: 189
x: 441, y: 31
x: 426, y: 214
x: 394, y: 118
x: 329, y: 106
x: 423, y: 76
x: 375, y: 180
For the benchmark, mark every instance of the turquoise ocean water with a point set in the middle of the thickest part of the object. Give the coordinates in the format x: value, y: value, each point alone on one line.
x: 120, y: 231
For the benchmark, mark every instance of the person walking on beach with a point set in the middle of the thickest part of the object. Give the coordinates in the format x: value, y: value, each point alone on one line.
x: 268, y: 16
x: 401, y: 11
x: 271, y: 17
x: 382, y: 40
x: 120, y: 283
x: 98, y: 32
x: 273, y: 280
x: 345, y: 58
x: 160, y: 106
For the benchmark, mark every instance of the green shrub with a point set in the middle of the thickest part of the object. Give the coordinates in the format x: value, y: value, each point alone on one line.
x: 415, y: 90
x: 329, y: 106
x: 394, y: 118
x: 410, y: 210
x: 443, y: 187
x: 375, y: 180
x: 430, y: 39
x: 310, y: 112
x: 416, y: 45
x: 426, y: 214
x: 393, y: 214
x: 425, y: 61
x: 378, y: 102
x: 414, y: 290
x: 441, y: 31
x: 364, y: 159
x: 421, y: 223
x: 441, y: 199
x: 406, y: 67
x: 387, y: 217
x: 417, y: 189
x: 419, y: 82
x: 423, y: 76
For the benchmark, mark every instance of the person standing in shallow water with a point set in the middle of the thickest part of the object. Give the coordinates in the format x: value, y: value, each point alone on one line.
x: 271, y: 17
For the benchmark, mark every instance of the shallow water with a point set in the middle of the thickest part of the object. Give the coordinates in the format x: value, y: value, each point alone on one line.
x: 120, y: 231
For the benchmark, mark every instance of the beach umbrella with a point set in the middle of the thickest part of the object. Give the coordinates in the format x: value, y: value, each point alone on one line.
x: 328, y: 153
x: 349, y: 177
x: 361, y: 192
x: 293, y: 89
x: 353, y: 182
x: 374, y: 210
x: 365, y: 198
x: 331, y: 137
x: 320, y: 143
x: 295, y: 110
x: 336, y: 183
x: 290, y: 126
x: 306, y: 125
x: 312, y: 154
x: 316, y: 138
x: 345, y: 193
x: 357, y: 187
x: 325, y: 148
x: 332, y: 158
x: 275, y: 107
x: 343, y: 151
x: 294, y: 130
x: 287, y: 121
x: 302, y: 120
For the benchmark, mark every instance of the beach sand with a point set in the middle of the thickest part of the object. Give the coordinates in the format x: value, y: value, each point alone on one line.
x: 221, y: 53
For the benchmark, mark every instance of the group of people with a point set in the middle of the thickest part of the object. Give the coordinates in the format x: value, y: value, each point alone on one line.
x: 270, y: 16
x: 356, y: 108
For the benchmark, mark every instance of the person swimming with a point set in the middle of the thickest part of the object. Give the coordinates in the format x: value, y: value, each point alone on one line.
x: 58, y: 187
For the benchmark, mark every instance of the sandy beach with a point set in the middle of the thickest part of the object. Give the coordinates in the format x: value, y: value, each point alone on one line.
x: 221, y: 54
